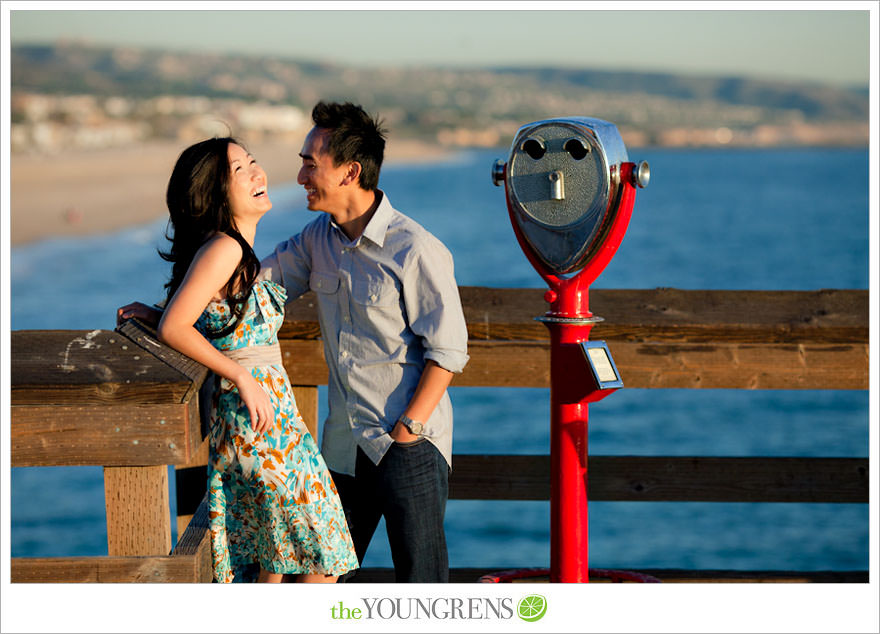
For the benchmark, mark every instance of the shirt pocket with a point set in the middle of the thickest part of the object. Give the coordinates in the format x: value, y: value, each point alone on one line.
x: 323, y: 283
x: 375, y: 292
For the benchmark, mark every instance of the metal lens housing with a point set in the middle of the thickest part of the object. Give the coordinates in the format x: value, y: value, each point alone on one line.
x: 562, y: 180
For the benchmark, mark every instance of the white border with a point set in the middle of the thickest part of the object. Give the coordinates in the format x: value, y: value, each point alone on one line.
x: 591, y: 608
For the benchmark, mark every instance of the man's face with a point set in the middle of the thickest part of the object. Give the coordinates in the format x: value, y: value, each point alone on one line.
x: 324, y: 182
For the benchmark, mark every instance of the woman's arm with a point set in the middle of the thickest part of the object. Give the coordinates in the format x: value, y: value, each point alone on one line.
x: 210, y: 270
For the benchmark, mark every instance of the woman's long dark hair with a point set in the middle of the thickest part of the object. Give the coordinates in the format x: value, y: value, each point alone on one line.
x: 198, y: 204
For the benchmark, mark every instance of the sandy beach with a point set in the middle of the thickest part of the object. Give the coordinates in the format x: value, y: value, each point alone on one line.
x: 87, y: 192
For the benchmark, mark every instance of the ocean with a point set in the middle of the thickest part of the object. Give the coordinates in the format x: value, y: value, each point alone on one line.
x: 776, y: 219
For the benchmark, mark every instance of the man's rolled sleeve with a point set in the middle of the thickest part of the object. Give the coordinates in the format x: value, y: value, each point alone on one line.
x: 434, y: 306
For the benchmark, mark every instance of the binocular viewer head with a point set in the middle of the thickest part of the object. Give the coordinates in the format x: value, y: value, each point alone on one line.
x: 563, y: 180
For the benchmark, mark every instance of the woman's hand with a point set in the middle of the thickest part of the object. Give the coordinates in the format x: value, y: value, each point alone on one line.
x: 259, y: 404
x: 141, y: 311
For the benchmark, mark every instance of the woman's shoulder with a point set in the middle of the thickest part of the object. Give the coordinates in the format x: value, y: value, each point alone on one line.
x: 221, y: 245
x: 220, y: 254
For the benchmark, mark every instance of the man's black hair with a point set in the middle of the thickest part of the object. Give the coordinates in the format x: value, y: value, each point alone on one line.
x: 353, y: 135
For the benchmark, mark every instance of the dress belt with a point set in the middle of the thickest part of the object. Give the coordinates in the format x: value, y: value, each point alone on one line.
x: 256, y: 356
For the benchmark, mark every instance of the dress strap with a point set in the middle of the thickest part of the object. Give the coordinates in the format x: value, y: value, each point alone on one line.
x: 256, y: 356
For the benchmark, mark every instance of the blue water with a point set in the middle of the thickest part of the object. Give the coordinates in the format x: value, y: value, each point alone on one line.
x: 768, y: 219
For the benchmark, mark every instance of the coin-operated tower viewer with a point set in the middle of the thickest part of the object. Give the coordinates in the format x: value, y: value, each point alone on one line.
x: 570, y: 190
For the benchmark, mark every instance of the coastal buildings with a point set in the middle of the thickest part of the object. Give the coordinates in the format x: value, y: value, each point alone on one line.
x: 73, y: 96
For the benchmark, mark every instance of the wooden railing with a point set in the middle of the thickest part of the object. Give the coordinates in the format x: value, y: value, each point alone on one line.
x: 97, y: 398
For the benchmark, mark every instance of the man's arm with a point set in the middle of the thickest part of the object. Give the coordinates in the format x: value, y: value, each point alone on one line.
x: 434, y: 310
x: 428, y: 393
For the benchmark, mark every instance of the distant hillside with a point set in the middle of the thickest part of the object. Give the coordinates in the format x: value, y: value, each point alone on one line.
x: 815, y: 101
x: 456, y: 106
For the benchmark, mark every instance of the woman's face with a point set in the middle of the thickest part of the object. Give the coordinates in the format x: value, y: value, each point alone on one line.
x: 248, y: 194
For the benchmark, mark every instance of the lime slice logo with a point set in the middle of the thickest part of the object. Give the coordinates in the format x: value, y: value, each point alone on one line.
x: 532, y: 607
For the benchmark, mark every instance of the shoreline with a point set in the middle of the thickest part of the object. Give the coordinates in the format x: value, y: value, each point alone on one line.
x: 80, y: 193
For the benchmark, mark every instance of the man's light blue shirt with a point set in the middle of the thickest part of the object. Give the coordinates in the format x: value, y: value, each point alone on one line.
x: 387, y: 303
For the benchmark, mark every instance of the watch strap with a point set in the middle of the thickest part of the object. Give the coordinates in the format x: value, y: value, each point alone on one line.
x: 414, y: 426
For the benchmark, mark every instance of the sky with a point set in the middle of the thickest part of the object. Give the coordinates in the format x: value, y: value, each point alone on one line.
x: 765, y: 40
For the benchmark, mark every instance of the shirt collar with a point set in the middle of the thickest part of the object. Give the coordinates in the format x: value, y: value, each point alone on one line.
x: 378, y: 226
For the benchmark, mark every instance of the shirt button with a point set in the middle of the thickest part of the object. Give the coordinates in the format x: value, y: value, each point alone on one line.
x: 373, y: 297
x: 344, y: 354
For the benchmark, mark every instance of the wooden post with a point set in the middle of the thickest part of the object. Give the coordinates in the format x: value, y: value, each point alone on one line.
x: 138, y: 510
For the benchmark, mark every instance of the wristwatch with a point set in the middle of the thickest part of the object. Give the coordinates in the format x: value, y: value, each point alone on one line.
x: 414, y: 426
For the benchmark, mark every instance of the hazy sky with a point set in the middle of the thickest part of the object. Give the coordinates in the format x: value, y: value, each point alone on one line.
x: 817, y: 45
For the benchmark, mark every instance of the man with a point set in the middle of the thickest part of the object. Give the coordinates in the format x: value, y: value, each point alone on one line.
x: 394, y: 333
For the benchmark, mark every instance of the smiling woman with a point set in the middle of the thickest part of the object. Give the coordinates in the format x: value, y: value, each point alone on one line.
x: 272, y: 504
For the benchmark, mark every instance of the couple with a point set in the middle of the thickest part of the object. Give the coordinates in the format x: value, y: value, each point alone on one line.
x: 394, y: 334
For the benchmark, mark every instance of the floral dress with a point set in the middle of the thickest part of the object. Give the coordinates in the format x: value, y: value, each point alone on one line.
x: 272, y: 500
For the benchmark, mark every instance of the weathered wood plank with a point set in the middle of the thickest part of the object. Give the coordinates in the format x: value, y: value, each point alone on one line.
x: 301, y: 318
x: 500, y: 477
x: 195, y: 542
x: 87, y: 435
x: 701, y: 479
x: 173, y: 569
x: 742, y: 366
x: 307, y: 403
x: 668, y: 314
x: 645, y: 365
x: 472, y: 575
x: 667, y: 479
x: 756, y: 576
x: 181, y: 522
x: 637, y: 478
x: 164, y: 569
x: 104, y: 366
x: 138, y: 512
x: 80, y: 367
x: 674, y: 365
x: 107, y: 435
x: 506, y: 364
x: 147, y: 339
x: 199, y: 457
x: 663, y: 314
x: 304, y: 361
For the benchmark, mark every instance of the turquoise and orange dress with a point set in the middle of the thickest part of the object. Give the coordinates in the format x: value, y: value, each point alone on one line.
x: 272, y: 500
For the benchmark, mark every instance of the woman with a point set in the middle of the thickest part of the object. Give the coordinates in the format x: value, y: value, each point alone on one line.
x: 272, y: 500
